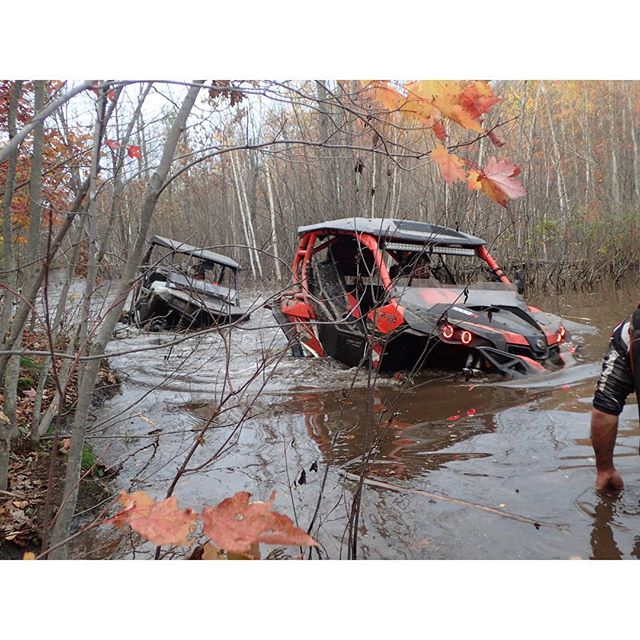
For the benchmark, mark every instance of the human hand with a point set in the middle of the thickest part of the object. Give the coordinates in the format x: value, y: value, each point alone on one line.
x: 609, y: 480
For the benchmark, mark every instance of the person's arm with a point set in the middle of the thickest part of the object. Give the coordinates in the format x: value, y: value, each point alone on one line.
x: 604, y: 429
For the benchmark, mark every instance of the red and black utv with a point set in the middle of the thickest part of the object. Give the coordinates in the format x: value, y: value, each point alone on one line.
x: 403, y: 295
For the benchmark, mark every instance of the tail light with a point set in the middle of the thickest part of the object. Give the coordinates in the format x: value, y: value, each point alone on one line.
x: 562, y: 332
x: 447, y: 331
x: 451, y: 333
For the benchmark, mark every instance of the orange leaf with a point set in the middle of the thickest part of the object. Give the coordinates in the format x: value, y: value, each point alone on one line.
x: 447, y: 97
x: 451, y: 166
x: 160, y: 522
x: 237, y: 526
x: 387, y: 96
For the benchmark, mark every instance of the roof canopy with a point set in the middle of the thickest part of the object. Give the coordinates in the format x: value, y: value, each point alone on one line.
x: 399, y: 231
x: 204, y: 254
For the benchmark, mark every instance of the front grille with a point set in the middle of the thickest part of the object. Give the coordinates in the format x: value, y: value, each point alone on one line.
x: 519, y: 350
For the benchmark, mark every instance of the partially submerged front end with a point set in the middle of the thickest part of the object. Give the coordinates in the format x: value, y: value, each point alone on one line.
x: 403, y: 295
x: 186, y: 287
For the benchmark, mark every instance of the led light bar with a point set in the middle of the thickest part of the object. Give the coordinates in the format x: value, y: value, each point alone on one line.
x: 422, y: 248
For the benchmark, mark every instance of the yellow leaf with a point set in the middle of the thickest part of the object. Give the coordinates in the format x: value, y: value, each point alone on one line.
x: 473, y: 180
x: 29, y: 555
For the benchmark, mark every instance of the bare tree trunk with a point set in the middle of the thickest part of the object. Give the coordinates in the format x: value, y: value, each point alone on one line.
x: 92, y: 223
x: 154, y: 189
x: 37, y: 428
x: 245, y: 225
x: 9, y: 276
x: 587, y: 149
x: 615, y: 180
x: 274, y: 232
x: 12, y: 374
x: 636, y: 160
x: 118, y: 183
x: 556, y: 152
x: 373, y: 186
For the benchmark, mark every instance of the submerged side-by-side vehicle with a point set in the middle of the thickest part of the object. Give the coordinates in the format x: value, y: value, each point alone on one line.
x: 403, y: 295
x: 186, y: 287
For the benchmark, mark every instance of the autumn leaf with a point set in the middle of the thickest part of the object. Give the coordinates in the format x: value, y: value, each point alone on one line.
x: 446, y: 96
x: 495, y: 140
x: 387, y: 96
x: 237, y: 525
x: 438, y: 129
x: 134, y: 152
x: 451, y: 166
x: 236, y: 97
x: 478, y: 98
x: 111, y: 95
x: 473, y: 180
x: 114, y: 145
x: 29, y: 555
x: 498, y: 181
x: 160, y: 522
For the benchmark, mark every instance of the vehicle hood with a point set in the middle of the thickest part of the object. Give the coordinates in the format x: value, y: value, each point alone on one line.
x: 492, y: 311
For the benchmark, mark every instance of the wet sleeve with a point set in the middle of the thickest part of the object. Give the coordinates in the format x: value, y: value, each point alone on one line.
x: 615, y: 382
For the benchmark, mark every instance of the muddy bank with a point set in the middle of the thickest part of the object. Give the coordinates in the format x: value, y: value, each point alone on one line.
x: 22, y: 506
x: 301, y: 426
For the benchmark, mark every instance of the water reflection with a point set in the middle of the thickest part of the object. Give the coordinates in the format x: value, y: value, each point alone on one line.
x: 603, y: 541
x: 345, y: 425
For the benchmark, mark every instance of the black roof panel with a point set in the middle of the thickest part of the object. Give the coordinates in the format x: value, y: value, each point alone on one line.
x: 399, y: 231
x: 204, y: 254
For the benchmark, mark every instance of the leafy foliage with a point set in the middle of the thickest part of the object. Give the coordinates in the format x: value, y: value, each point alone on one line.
x: 431, y: 103
x: 60, y: 148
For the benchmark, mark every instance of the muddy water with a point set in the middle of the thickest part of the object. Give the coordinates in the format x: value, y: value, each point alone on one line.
x: 464, y: 469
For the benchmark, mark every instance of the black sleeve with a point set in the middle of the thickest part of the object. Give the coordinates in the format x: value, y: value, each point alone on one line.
x: 615, y: 382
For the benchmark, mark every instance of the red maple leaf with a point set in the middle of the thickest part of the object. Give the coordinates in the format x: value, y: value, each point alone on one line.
x: 134, y: 152
x: 498, y: 181
x: 114, y: 145
x: 237, y: 525
x: 160, y: 522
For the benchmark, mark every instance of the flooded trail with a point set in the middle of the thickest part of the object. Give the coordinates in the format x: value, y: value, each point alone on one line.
x: 477, y: 469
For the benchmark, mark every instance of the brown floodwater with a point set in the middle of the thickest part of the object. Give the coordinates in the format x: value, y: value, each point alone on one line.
x: 483, y: 468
